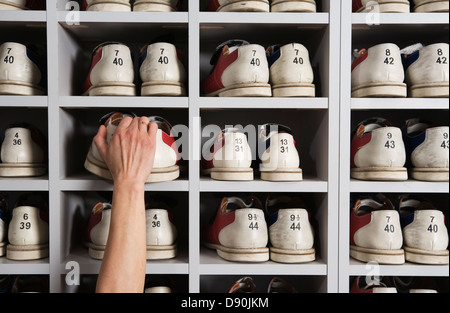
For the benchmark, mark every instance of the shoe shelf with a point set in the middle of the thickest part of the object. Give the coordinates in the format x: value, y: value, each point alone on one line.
x: 321, y: 126
x: 33, y: 17
x: 363, y: 30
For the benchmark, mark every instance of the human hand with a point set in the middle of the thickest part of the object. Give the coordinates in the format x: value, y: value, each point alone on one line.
x: 130, y: 153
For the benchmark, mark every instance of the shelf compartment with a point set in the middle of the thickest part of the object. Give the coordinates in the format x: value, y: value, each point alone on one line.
x: 78, y: 128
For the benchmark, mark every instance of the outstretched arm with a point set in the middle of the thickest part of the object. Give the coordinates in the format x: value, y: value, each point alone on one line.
x: 129, y: 156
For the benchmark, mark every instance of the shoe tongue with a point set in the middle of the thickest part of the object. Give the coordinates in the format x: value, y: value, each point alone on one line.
x: 417, y: 125
x: 411, y: 49
x: 370, y: 124
x: 230, y: 204
x: 364, y: 206
x: 230, y: 44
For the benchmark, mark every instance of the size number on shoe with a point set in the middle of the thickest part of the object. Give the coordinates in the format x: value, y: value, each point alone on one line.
x: 9, y: 59
x: 297, y: 59
x: 389, y: 228
x: 284, y: 146
x: 163, y: 59
x: 253, y: 218
x: 295, y: 219
x: 25, y: 224
x: 155, y: 221
x: 441, y: 58
x: 118, y: 60
x: 432, y: 228
x: 444, y: 143
x: 389, y: 60
x: 390, y: 144
x: 16, y: 140
x: 255, y: 61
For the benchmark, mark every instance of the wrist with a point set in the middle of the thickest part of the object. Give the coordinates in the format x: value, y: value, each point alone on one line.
x: 130, y: 186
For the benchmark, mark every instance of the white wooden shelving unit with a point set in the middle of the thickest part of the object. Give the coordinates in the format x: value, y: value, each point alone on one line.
x: 361, y: 30
x: 321, y: 128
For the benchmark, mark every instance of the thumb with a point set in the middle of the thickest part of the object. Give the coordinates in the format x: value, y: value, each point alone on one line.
x: 100, y: 141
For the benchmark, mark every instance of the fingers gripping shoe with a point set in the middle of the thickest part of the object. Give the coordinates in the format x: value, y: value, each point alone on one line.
x: 162, y: 71
x: 291, y: 235
x: 238, y: 6
x: 375, y: 232
x: 378, y: 151
x: 293, y: 6
x: 291, y: 74
x: 427, y: 71
x: 165, y: 166
x: 229, y: 157
x: 111, y: 72
x: 157, y: 5
x: 425, y: 235
x: 22, y: 70
x: 279, y: 158
x: 4, y: 221
x: 239, y: 231
x: 429, y: 6
x: 97, y: 231
x: 161, y: 234
x: 107, y: 5
x: 381, y: 6
x: 427, y: 150
x: 378, y: 72
x: 28, y: 231
x: 240, y: 70
x: 23, y: 152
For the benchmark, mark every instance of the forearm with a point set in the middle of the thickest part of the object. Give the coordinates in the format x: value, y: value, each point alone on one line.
x: 125, y: 251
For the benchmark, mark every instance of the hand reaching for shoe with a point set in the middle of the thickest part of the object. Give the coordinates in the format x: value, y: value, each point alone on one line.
x: 131, y: 152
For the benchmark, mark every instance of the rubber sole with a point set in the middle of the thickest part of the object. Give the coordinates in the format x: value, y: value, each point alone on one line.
x: 30, y: 252
x: 385, y: 90
x: 433, y: 6
x: 4, y: 5
x: 425, y: 256
x: 294, y: 90
x: 157, y: 174
x: 240, y: 254
x: 110, y: 6
x: 22, y: 170
x: 245, y: 6
x: 244, y: 90
x: 436, y: 90
x: 399, y: 6
x: 237, y: 174
x: 112, y: 89
x: 380, y: 173
x: 152, y: 6
x: 293, y: 6
x: 19, y: 88
x: 163, y: 89
x: 292, y: 256
x: 430, y: 174
x: 283, y: 175
x: 394, y: 256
